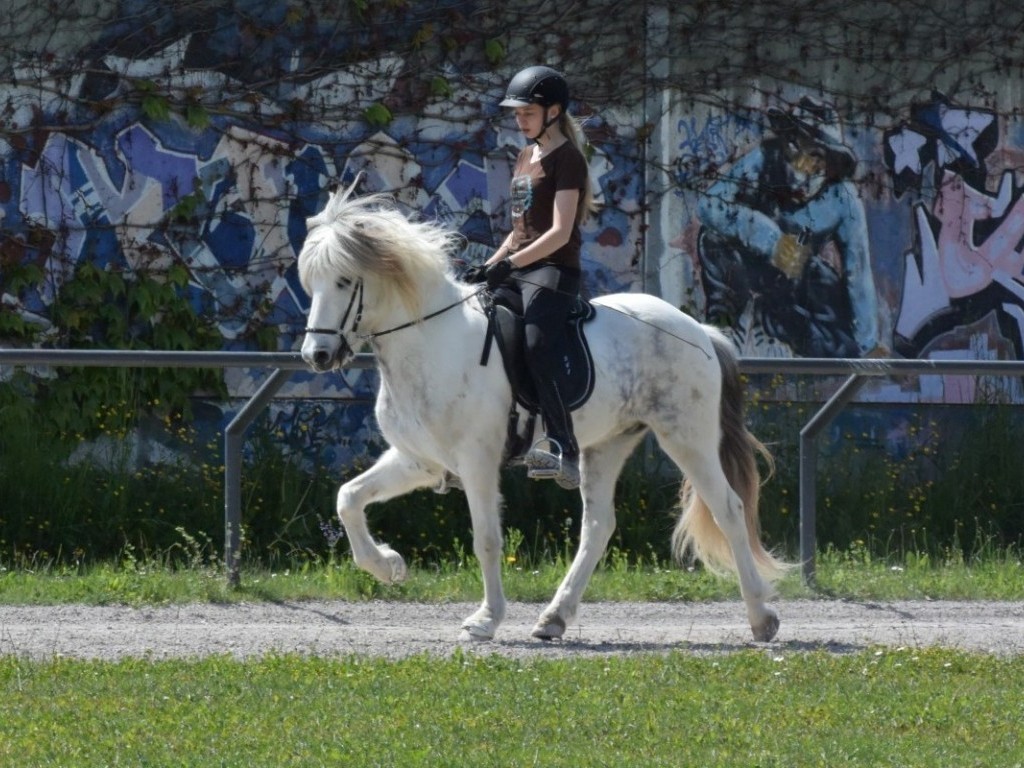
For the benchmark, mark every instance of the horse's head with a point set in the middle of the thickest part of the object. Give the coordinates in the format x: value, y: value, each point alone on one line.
x: 336, y: 306
x: 334, y: 287
x: 363, y: 253
x: 334, y: 317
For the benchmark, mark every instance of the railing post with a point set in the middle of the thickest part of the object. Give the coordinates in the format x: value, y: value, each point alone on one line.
x: 808, y: 468
x: 233, y: 438
x: 808, y: 507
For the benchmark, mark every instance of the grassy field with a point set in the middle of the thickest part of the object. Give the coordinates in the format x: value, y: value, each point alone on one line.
x: 883, y: 706
x: 994, y: 575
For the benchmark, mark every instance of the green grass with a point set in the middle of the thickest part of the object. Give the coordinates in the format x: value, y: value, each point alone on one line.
x: 992, y: 575
x: 884, y: 707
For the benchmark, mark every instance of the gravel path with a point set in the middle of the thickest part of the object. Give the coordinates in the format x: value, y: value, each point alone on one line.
x: 396, y: 630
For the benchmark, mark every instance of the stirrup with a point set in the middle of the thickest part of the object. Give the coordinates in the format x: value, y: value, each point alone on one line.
x: 549, y: 465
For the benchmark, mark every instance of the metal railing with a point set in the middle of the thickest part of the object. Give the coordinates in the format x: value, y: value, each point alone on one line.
x: 282, y: 364
x: 858, y: 372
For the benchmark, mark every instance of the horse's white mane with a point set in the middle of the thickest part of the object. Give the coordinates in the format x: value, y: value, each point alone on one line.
x: 370, y: 238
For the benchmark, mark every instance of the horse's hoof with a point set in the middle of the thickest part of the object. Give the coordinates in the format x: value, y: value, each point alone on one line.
x: 475, y: 634
x: 549, y: 629
x: 396, y: 570
x: 481, y: 625
x: 766, y: 631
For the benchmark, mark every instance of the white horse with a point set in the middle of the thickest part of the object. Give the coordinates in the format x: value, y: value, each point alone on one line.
x: 376, y: 276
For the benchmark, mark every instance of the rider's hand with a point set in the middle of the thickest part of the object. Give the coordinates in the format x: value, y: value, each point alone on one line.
x: 497, y: 272
x: 475, y: 274
x: 790, y: 256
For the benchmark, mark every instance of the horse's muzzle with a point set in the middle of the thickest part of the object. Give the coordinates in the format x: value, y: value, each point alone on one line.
x: 326, y: 357
x: 322, y: 360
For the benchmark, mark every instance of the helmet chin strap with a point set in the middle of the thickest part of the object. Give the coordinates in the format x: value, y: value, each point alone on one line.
x: 548, y: 122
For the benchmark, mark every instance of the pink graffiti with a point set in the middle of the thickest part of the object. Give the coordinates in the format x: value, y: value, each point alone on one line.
x: 953, y: 264
x: 968, y: 267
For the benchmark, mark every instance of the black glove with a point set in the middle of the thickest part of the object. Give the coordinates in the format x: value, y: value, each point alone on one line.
x: 496, y: 273
x: 475, y: 274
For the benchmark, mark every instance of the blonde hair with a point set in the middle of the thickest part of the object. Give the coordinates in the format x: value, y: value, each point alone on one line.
x: 573, y: 132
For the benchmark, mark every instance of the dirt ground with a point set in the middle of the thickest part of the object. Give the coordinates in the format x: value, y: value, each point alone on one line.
x: 396, y: 630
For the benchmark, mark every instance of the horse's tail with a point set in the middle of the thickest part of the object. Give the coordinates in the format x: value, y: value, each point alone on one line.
x: 696, y: 530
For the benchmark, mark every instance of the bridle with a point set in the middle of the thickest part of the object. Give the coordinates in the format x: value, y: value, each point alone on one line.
x: 356, y: 302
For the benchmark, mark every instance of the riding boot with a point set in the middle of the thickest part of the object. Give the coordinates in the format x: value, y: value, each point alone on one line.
x: 560, y: 460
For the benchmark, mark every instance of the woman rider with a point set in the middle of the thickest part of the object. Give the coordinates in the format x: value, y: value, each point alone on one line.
x: 540, y: 257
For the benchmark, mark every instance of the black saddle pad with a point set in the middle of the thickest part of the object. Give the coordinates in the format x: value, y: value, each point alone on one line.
x: 506, y: 327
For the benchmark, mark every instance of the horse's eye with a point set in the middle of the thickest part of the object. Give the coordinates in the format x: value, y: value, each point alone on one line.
x: 343, y: 283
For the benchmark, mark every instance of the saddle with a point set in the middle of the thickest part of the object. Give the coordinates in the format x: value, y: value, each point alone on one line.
x: 505, y: 327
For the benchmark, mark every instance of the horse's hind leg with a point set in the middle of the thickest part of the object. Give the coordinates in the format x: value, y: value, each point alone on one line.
x: 764, y: 621
x: 392, y: 475
x: 726, y: 506
x: 600, y: 467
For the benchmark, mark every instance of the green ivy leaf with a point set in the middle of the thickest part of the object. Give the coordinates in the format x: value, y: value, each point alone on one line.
x: 196, y: 116
x: 266, y: 338
x: 186, y: 207
x: 144, y: 302
x: 114, y: 283
x: 177, y: 275
x: 377, y: 115
x: 155, y: 107
x: 494, y: 51
x: 21, y: 276
x: 440, y: 87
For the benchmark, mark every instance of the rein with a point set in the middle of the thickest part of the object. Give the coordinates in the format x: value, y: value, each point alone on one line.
x: 357, y: 302
x: 423, y: 319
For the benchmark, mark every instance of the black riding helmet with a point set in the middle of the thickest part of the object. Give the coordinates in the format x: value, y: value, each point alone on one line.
x: 537, y: 85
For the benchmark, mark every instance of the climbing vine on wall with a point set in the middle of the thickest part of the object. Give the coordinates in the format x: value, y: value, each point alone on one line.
x: 108, y: 309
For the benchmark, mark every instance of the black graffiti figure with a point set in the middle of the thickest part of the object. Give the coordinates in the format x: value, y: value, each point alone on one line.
x: 783, y: 232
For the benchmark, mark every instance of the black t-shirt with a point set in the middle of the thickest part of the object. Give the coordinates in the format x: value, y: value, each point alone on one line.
x: 534, y: 185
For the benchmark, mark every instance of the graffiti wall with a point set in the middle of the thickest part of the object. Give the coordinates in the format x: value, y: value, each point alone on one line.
x: 802, y: 228
x: 224, y: 189
x: 804, y: 239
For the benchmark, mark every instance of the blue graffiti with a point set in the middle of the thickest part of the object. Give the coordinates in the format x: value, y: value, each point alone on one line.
x: 704, y: 147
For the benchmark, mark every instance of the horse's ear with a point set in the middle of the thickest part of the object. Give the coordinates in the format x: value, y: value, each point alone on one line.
x: 357, y: 182
x: 337, y: 194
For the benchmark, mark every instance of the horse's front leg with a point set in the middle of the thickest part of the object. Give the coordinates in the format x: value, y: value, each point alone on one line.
x: 484, y: 508
x: 392, y: 475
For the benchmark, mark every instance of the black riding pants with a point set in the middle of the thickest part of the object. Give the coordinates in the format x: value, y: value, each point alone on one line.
x: 550, y: 294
